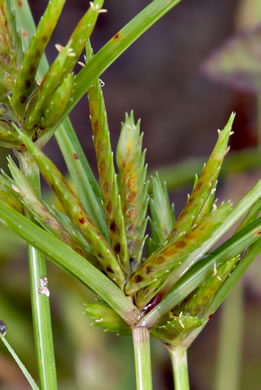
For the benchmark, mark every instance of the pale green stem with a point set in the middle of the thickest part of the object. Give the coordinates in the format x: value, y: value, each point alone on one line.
x: 179, y: 363
x: 230, y: 341
x: 40, y: 302
x: 141, y: 343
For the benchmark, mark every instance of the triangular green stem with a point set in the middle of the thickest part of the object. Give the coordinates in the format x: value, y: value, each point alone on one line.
x: 141, y: 343
x: 179, y: 363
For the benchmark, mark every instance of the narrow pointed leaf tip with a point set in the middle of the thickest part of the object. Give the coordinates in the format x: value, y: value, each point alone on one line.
x: 133, y: 186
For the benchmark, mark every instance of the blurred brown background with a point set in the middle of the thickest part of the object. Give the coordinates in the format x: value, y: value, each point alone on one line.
x: 159, y: 78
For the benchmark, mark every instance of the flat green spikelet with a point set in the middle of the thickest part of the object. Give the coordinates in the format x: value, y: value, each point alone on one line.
x: 43, y: 95
x: 11, y: 53
x: 162, y: 216
x: 158, y: 268
x: 106, y: 318
x: 8, y: 137
x: 54, y: 109
x: 133, y: 186
x: 8, y: 193
x: 176, y: 329
x: 75, y: 211
x: 62, y: 66
x: 205, y: 185
x: 201, y: 298
x: 25, y: 82
x: 107, y: 176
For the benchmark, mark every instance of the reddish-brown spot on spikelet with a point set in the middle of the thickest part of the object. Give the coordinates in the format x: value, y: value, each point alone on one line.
x: 131, y: 196
x: 181, y: 244
x: 32, y: 69
x: 138, y: 278
x: 109, y: 207
x: 27, y: 83
x: 160, y: 260
x: 75, y: 156
x: 25, y: 34
x: 113, y: 227
x: 106, y: 186
x: 102, y: 167
x: 95, y: 128
x: 149, y: 269
x: 117, y: 248
x: 116, y: 36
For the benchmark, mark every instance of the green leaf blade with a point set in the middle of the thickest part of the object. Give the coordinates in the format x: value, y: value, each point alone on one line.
x: 62, y: 255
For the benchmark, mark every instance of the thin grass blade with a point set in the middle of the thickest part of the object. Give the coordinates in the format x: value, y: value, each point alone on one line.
x: 24, y: 370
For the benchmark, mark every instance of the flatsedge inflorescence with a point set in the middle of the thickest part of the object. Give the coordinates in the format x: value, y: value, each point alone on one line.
x: 109, y: 228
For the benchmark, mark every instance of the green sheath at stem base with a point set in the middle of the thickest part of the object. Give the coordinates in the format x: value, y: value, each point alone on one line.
x: 141, y: 343
x: 179, y: 362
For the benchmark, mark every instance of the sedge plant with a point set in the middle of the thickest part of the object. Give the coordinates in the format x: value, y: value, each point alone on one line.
x: 166, y: 284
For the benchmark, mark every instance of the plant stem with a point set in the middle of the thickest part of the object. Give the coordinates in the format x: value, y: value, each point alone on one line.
x: 179, y: 363
x: 141, y: 343
x: 40, y: 302
x: 230, y: 341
